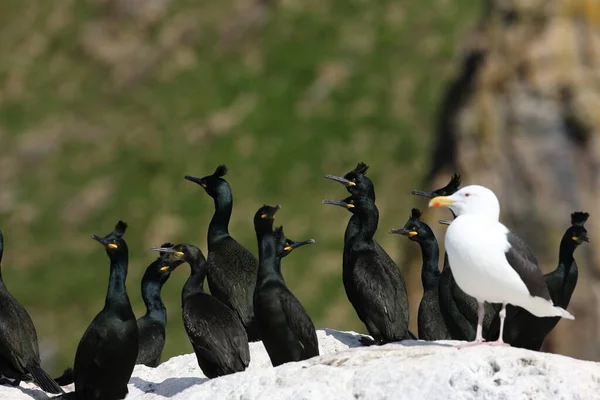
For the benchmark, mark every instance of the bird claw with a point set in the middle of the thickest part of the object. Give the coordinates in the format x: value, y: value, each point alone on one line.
x: 499, y: 343
x: 470, y: 344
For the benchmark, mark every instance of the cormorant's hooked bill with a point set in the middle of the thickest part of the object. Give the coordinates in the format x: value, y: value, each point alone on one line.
x: 341, y: 203
x: 167, y: 250
x: 291, y: 245
x: 404, y: 232
x: 110, y: 239
x: 429, y: 195
x: 199, y: 181
x: 340, y: 179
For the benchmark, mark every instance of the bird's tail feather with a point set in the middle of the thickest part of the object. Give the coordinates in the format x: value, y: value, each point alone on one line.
x: 564, y: 313
x: 44, y: 381
x: 66, y: 378
x: 541, y: 307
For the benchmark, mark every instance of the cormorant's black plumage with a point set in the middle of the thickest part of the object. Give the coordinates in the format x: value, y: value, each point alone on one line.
x: 358, y: 184
x: 232, y: 269
x: 151, y: 327
x: 430, y: 320
x: 108, y: 349
x: 375, y: 290
x: 458, y: 308
x: 525, y: 330
x: 287, y: 331
x: 19, y: 350
x: 215, y: 331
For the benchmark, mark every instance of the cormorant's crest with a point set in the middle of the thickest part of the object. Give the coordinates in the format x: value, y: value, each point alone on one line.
x: 451, y: 188
x: 167, y: 244
x: 415, y: 214
x: 120, y: 228
x: 454, y: 182
x: 279, y: 231
x: 579, y: 218
x: 221, y: 171
x: 361, y: 168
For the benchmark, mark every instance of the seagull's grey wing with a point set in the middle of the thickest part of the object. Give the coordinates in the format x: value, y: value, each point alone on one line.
x: 521, y: 258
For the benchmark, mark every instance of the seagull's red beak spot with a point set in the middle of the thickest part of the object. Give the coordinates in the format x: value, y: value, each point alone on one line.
x: 440, y: 201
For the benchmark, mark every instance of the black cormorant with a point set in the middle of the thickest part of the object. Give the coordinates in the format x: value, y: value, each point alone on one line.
x: 151, y: 326
x: 215, y: 331
x: 527, y: 331
x: 430, y: 320
x: 232, y: 269
x: 108, y: 349
x: 358, y: 184
x: 19, y: 350
x: 375, y: 291
x: 458, y: 308
x: 287, y: 331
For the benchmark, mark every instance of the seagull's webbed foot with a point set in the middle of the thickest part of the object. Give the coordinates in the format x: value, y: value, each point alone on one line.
x: 499, y: 342
x: 475, y: 342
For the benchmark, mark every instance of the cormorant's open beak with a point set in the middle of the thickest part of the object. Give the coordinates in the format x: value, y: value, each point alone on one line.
x: 271, y: 213
x: 404, y: 232
x: 340, y: 180
x: 340, y: 203
x: 429, y: 195
x: 294, y: 245
x: 171, y: 265
x: 445, y: 221
x: 168, y: 250
x: 441, y: 201
x: 199, y: 181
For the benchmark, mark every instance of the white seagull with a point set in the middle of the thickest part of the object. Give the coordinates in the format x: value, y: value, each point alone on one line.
x: 491, y: 263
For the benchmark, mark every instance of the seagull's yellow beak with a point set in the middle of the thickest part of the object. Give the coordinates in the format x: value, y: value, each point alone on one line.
x: 441, y: 201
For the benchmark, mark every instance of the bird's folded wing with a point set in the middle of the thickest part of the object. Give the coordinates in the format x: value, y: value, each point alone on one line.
x: 523, y: 261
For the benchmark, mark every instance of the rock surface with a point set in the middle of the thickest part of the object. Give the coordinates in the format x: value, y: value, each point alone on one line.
x: 407, y: 370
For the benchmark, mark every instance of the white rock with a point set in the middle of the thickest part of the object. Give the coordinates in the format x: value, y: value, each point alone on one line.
x: 411, y: 370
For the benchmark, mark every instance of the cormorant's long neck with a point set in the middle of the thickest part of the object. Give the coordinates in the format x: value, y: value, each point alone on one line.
x: 219, y: 224
x: 269, y: 265
x: 153, y: 301
x: 117, y: 292
x: 351, y: 230
x: 565, y: 253
x: 430, y: 273
x: 369, y: 218
x: 562, y: 281
x: 195, y: 283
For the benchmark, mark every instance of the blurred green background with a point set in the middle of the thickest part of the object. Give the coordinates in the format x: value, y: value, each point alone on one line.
x: 106, y: 104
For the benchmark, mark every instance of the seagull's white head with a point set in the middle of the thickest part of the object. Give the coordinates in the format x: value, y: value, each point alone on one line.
x: 472, y: 200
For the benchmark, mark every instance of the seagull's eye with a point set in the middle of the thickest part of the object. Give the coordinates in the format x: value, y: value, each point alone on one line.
x: 467, y: 194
